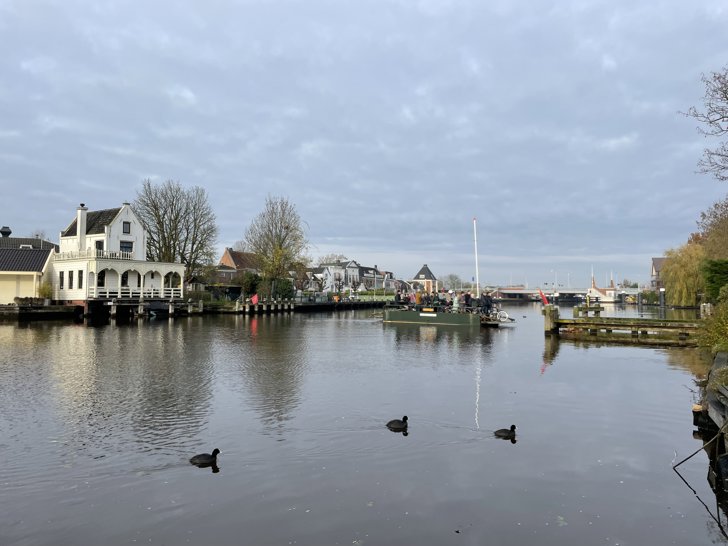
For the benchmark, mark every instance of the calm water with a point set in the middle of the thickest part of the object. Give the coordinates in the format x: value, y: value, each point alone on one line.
x: 98, y: 424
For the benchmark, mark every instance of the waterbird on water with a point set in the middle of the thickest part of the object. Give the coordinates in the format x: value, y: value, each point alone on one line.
x: 506, y: 433
x: 205, y: 459
x: 398, y: 425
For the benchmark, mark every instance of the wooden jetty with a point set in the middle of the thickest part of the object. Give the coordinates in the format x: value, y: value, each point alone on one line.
x: 589, y: 325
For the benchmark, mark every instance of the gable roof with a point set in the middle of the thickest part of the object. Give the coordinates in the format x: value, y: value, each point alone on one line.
x: 34, y: 242
x: 23, y: 259
x: 243, y: 260
x: 424, y: 274
x: 657, y: 264
x: 95, y: 222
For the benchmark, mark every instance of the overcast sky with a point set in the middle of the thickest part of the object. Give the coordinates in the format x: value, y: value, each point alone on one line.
x: 390, y: 124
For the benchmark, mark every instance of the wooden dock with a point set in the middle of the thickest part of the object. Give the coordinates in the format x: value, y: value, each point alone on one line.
x: 589, y: 325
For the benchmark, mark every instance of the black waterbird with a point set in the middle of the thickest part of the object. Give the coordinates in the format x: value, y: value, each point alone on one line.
x: 398, y: 425
x: 506, y: 433
x: 205, y: 459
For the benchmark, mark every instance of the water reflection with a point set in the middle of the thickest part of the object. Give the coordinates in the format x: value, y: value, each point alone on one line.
x: 273, y: 369
x: 550, y: 352
x: 83, y: 408
x: 716, y: 474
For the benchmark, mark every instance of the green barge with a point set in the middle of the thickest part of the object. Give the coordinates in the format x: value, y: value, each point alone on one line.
x: 441, y: 317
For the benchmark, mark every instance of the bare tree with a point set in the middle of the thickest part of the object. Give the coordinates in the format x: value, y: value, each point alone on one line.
x: 180, y: 224
x: 452, y: 281
x: 277, y: 237
x: 714, y: 123
x: 332, y: 259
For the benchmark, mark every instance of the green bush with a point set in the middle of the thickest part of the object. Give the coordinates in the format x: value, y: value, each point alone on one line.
x: 45, y: 291
x: 718, y: 378
x: 714, y: 333
x: 197, y: 295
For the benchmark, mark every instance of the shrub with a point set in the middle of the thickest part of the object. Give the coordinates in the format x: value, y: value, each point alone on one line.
x: 714, y: 333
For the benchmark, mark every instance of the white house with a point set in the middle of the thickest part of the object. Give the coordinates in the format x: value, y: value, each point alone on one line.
x: 349, y: 275
x: 103, y: 255
x: 609, y: 294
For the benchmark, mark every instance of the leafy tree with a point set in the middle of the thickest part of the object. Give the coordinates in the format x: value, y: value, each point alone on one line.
x: 681, y: 275
x: 626, y: 283
x: 180, y: 224
x: 715, y: 273
x: 277, y: 237
x: 248, y: 281
x: 713, y: 226
x: 714, y: 123
x: 649, y: 297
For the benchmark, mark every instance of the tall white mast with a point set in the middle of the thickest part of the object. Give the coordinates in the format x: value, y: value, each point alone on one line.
x: 477, y: 277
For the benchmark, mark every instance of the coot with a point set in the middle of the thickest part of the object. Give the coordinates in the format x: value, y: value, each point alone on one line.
x: 397, y: 424
x: 505, y: 433
x: 205, y: 459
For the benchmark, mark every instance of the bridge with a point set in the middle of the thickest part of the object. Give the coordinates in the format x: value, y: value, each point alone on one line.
x: 563, y: 294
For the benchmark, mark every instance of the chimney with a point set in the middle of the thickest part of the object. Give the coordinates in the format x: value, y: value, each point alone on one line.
x: 5, y: 231
x: 81, y: 226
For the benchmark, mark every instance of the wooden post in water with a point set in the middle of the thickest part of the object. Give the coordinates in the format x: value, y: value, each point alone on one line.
x: 550, y: 316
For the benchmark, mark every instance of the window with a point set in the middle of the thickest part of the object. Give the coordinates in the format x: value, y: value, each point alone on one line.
x: 60, y: 280
x: 126, y: 246
x: 125, y: 278
x: 70, y: 280
x: 100, y: 245
x: 80, y: 278
x: 101, y: 279
x: 126, y: 227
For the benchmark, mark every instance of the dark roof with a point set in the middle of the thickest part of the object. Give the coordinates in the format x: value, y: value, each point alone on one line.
x: 34, y: 242
x: 426, y: 274
x: 657, y: 263
x: 95, y: 222
x: 243, y: 260
x: 23, y: 259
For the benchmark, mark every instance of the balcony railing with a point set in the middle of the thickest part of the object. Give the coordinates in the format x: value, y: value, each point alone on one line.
x: 94, y: 253
x: 126, y: 292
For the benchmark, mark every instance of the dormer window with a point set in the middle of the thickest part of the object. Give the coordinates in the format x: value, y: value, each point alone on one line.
x: 126, y: 227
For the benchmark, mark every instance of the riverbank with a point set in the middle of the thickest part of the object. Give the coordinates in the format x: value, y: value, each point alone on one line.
x: 126, y: 310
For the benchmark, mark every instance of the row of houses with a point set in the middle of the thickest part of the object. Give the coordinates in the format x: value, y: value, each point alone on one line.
x: 337, y: 276
x: 102, y: 255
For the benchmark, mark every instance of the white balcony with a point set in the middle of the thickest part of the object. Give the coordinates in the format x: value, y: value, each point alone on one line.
x: 91, y: 253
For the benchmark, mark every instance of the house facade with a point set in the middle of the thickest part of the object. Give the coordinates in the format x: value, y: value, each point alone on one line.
x: 347, y: 276
x: 610, y: 294
x: 425, y: 280
x: 240, y: 261
x: 103, y: 256
x: 655, y: 279
x: 22, y: 272
x: 25, y: 263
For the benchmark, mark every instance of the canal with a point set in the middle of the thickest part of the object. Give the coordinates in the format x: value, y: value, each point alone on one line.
x: 97, y: 426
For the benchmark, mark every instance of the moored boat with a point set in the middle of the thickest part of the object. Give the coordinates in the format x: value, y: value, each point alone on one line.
x: 430, y: 315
